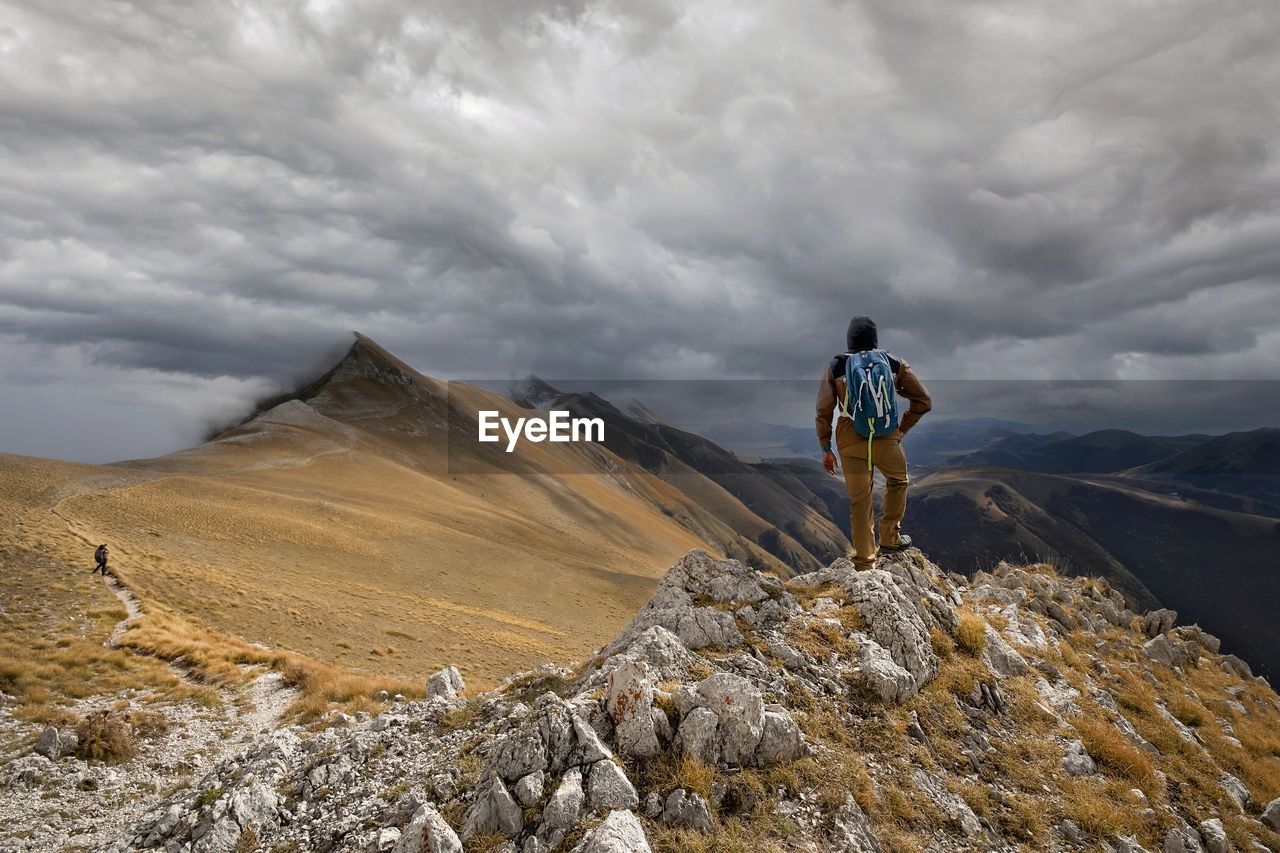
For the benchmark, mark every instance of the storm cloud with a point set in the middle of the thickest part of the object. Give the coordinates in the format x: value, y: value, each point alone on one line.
x: 199, y: 200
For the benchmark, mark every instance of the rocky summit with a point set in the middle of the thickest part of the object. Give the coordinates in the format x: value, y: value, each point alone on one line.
x: 901, y: 708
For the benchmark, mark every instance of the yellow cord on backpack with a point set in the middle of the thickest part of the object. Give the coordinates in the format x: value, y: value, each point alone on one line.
x: 871, y: 433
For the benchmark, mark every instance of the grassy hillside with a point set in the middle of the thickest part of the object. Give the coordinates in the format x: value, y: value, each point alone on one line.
x: 335, y: 523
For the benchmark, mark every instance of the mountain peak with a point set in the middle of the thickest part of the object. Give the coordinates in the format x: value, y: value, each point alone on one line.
x: 364, y: 360
x: 532, y: 392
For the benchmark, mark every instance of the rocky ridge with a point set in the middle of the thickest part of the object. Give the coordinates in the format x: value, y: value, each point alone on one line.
x: 896, y: 709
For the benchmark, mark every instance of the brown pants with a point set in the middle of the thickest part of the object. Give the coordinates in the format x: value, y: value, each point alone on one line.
x: 887, y: 457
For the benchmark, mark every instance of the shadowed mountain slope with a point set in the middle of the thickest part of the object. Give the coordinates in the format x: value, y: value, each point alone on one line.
x: 792, y: 525
x: 1215, y: 566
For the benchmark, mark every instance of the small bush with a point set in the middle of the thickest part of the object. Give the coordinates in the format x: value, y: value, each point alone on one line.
x: 106, y: 737
x: 207, y: 797
x: 971, y: 634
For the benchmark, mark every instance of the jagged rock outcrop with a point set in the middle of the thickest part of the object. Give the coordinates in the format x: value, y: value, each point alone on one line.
x: 835, y: 710
x: 427, y: 832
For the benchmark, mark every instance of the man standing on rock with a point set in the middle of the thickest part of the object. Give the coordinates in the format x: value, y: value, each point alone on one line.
x: 859, y: 390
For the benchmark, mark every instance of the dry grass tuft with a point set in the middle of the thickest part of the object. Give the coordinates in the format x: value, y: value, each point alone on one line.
x: 971, y: 633
x: 1100, y: 808
x: 1187, y: 711
x: 693, y: 775
x: 460, y: 718
x: 104, y: 736
x: 820, y: 638
x: 324, y: 687
x: 942, y: 645
x: 248, y: 841
x: 1116, y: 753
x: 731, y: 836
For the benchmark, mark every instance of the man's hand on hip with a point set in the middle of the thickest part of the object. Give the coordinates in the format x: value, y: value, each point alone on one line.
x: 830, y: 461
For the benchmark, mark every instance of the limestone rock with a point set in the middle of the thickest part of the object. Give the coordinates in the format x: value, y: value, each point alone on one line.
x: 852, y: 832
x: 684, y: 602
x: 1158, y: 622
x: 1214, y: 835
x: 663, y: 651
x: 565, y: 805
x: 782, y: 739
x: 629, y: 699
x: 494, y: 810
x: 517, y: 755
x: 620, y: 832
x: 696, y: 736
x: 1077, y: 761
x: 48, y: 745
x: 951, y: 805
x: 1001, y: 658
x: 1235, y: 666
x: 446, y: 683
x: 1271, y: 814
x: 609, y: 788
x: 589, y: 747
x: 1236, y: 790
x: 882, y: 675
x: 740, y: 707
x: 687, y: 809
x: 1182, y: 840
x: 893, y: 622
x: 427, y: 832
x: 529, y: 789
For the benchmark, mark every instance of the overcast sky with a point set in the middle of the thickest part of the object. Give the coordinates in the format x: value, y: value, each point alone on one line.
x: 200, y: 200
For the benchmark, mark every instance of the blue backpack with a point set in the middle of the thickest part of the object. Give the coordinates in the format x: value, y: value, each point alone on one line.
x: 869, y: 400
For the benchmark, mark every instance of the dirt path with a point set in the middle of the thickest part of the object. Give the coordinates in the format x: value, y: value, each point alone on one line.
x: 95, y: 803
x: 132, y: 608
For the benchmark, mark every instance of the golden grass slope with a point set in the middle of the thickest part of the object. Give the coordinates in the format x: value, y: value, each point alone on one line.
x: 334, y: 527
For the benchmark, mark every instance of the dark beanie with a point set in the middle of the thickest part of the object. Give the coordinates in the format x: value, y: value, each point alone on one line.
x: 862, y: 334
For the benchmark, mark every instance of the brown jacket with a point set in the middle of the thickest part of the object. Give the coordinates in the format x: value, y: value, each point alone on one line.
x: 831, y: 389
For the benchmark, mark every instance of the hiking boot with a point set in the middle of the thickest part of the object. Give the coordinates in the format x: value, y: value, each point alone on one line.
x: 903, y: 543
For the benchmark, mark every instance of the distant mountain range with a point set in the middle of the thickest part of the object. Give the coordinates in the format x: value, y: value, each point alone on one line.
x: 1104, y: 451
x: 933, y: 442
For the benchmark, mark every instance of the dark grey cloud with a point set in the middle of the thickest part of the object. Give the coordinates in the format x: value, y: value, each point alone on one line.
x: 199, y: 200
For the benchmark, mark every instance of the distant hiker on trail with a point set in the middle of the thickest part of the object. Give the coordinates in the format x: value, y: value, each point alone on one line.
x: 100, y: 556
x: 858, y: 387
